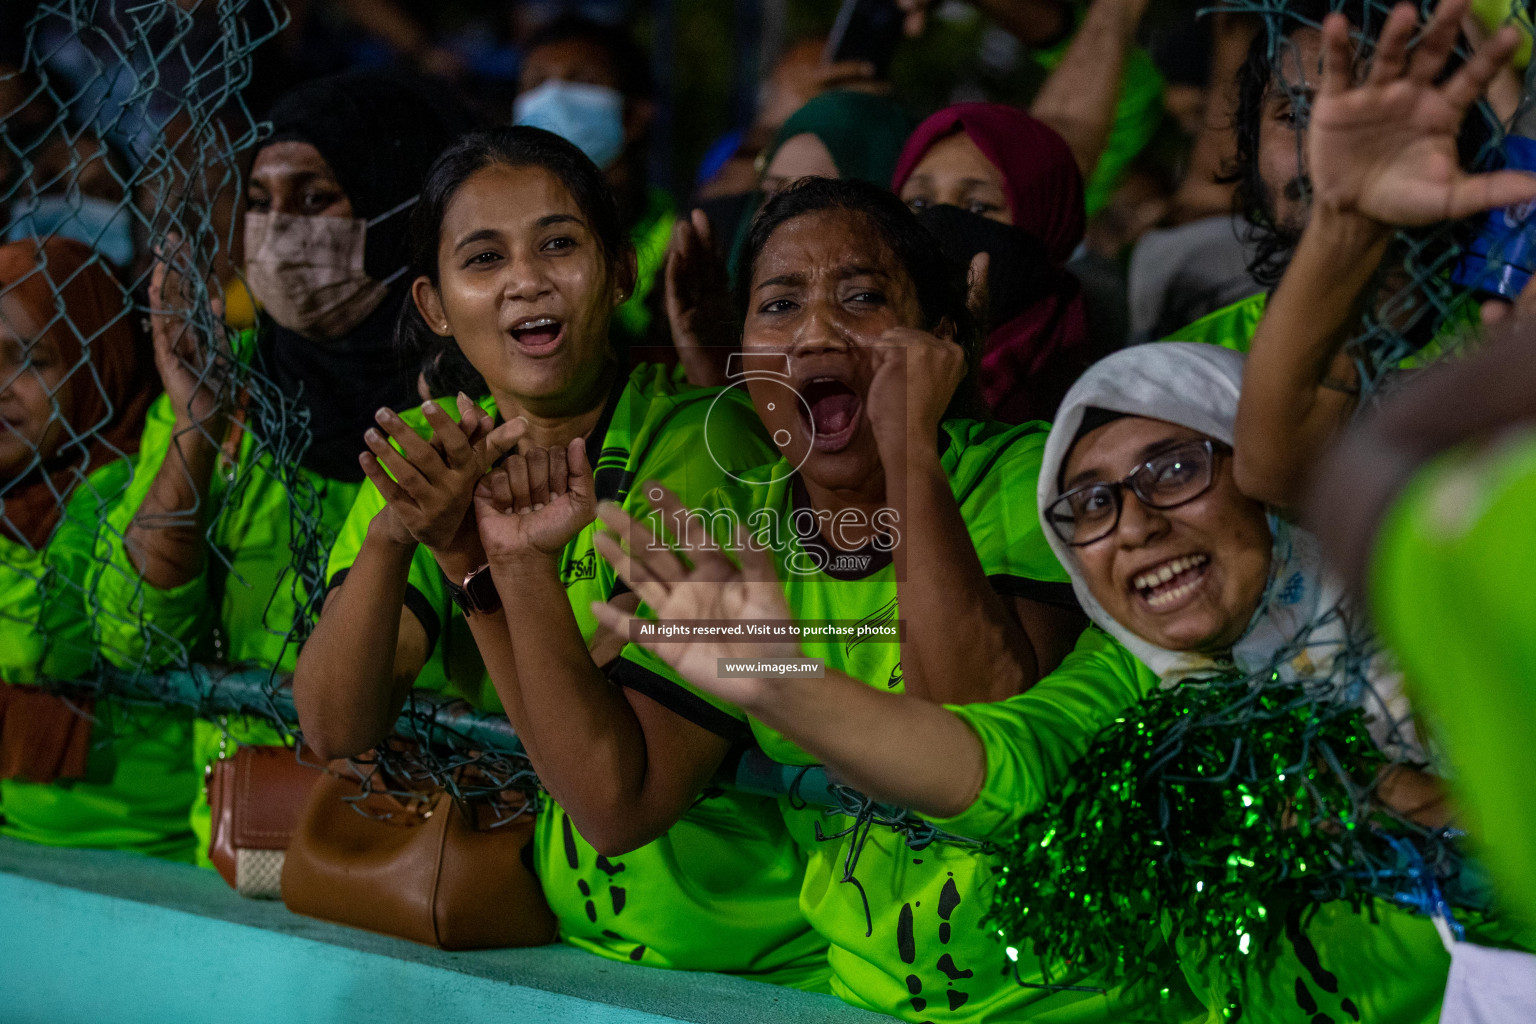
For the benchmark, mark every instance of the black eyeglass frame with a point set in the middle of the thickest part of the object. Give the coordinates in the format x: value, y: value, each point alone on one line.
x: 1117, y: 489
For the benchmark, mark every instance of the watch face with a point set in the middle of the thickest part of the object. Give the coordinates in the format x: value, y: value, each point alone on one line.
x: 480, y: 591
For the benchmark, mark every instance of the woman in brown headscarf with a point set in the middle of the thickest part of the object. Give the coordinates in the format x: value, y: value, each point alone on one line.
x: 75, y: 380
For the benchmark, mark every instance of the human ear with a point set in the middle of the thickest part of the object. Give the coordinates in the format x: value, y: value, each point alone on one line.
x: 430, y: 305
x: 626, y: 272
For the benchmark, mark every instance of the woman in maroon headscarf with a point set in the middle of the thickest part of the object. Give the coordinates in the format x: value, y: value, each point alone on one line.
x: 984, y: 177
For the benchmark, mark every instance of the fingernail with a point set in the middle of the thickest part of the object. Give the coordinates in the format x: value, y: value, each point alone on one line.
x: 383, y: 415
x: 538, y: 505
x: 373, y: 435
x: 429, y: 406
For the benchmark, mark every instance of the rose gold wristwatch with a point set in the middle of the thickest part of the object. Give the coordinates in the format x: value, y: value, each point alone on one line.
x: 477, y: 594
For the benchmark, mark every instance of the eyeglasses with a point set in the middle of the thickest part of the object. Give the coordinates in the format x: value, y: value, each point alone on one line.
x: 1092, y: 512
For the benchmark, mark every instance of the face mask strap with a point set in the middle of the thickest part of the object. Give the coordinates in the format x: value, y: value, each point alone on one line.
x: 406, y: 204
x: 392, y: 278
x: 393, y: 210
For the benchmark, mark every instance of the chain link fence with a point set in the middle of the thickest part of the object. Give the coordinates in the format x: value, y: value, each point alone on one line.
x: 124, y: 140
x: 124, y: 128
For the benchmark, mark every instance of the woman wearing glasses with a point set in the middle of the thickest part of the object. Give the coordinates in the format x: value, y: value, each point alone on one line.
x: 1181, y: 573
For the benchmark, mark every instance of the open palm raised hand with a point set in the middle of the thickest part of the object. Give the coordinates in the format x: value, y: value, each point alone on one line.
x: 1385, y: 147
x: 714, y: 588
x: 191, y: 368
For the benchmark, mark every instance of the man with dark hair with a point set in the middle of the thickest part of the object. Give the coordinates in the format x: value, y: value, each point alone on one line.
x: 591, y: 83
x: 1276, y: 84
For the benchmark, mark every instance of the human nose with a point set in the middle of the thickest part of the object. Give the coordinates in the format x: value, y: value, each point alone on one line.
x: 10, y: 374
x: 524, y: 280
x: 821, y: 331
x: 1139, y: 523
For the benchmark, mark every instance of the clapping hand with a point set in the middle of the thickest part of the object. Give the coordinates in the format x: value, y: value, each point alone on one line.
x: 698, y: 301
x: 1385, y: 147
x: 535, y: 503
x: 429, y: 483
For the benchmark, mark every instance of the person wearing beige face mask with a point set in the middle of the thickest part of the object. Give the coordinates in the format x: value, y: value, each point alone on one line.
x: 328, y: 197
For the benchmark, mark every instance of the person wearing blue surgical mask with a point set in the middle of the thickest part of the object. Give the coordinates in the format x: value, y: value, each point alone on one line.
x: 105, y: 226
x: 73, y: 192
x: 591, y: 84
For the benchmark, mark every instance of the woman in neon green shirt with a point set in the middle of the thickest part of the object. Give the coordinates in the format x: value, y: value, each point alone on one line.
x: 216, y: 548
x: 521, y: 264
x: 98, y: 774
x: 1188, y: 578
x: 888, y: 504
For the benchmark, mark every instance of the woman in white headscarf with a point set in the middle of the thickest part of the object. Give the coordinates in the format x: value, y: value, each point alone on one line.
x: 1185, y: 578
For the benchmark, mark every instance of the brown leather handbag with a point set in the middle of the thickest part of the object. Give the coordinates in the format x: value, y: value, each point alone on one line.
x: 256, y: 798
x: 415, y: 868
x: 43, y: 737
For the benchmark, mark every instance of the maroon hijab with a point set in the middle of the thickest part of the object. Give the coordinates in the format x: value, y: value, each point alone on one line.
x: 1029, y: 362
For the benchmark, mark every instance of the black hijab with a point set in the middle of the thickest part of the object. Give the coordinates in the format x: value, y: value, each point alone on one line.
x: 379, y: 132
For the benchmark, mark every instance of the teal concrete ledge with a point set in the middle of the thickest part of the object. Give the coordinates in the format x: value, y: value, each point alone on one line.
x: 96, y: 937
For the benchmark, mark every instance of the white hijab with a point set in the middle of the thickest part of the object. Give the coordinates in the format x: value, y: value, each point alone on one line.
x: 1302, y: 627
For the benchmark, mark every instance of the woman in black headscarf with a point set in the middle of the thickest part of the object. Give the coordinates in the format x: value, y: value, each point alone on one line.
x: 324, y: 249
x: 329, y: 196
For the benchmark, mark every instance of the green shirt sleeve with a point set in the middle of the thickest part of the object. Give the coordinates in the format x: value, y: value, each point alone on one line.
x: 994, y: 472
x: 140, y: 626
x: 1031, y: 740
x: 425, y: 590
x: 1451, y: 592
x: 45, y: 608
x: 1138, y: 113
x: 25, y: 580
x: 1230, y: 327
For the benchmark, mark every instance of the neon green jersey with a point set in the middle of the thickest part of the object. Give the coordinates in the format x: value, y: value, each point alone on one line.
x: 139, y: 780
x: 717, y: 892
x: 1032, y: 739
x: 1451, y: 593
x: 1030, y: 742
x: 1231, y: 327
x: 905, y: 935
x: 246, y: 607
x: 1234, y: 326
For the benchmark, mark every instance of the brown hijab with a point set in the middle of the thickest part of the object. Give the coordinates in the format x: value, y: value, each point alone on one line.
x: 60, y: 284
